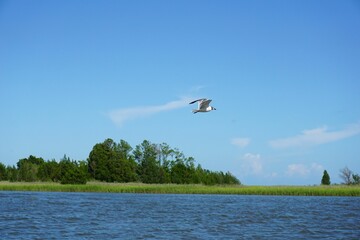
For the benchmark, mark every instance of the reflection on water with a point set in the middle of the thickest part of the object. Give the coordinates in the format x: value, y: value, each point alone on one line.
x: 30, y: 215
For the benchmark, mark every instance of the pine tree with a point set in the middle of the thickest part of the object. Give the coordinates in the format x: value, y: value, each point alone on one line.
x: 325, y: 179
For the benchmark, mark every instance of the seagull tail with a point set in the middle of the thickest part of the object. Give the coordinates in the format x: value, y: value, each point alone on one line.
x: 194, y: 111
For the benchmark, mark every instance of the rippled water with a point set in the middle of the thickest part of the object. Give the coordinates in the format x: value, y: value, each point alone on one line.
x: 41, y: 215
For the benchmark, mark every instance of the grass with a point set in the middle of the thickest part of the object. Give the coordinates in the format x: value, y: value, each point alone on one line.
x: 338, y: 190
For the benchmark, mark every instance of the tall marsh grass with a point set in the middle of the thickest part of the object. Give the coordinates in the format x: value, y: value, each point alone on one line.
x: 338, y: 190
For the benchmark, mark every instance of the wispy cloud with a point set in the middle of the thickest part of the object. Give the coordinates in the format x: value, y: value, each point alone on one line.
x: 315, y: 137
x: 251, y: 164
x: 120, y: 116
x: 303, y: 170
x: 240, y: 142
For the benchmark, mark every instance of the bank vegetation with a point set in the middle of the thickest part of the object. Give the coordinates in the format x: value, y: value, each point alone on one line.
x: 103, y: 187
x: 120, y: 163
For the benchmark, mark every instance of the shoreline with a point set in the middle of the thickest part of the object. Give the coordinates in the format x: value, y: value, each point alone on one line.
x: 103, y: 187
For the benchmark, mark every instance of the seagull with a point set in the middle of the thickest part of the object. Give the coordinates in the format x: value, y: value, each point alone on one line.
x: 203, y: 105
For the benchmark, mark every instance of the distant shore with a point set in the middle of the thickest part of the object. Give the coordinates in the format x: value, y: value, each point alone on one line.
x: 333, y: 190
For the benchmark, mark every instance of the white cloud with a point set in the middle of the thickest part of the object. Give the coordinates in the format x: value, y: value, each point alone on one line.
x: 297, y: 169
x: 316, y: 167
x: 315, y: 137
x: 120, y: 116
x: 251, y: 164
x: 303, y: 170
x: 240, y: 142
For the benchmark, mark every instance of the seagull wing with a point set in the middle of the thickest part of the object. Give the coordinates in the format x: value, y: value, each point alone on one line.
x: 201, y: 99
x: 204, y: 104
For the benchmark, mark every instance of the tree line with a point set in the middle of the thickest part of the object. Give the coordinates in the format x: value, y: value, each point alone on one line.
x: 118, y: 162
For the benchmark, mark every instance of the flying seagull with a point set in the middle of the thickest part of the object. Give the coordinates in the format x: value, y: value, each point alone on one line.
x: 203, y: 105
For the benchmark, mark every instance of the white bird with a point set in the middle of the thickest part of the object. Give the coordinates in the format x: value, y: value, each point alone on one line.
x: 203, y: 105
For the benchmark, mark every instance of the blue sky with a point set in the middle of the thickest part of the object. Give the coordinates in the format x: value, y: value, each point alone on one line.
x: 283, y: 75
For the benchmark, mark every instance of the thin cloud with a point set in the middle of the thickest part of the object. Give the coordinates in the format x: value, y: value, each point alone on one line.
x: 251, y: 164
x: 303, y: 170
x: 316, y: 136
x: 240, y: 142
x: 120, y: 116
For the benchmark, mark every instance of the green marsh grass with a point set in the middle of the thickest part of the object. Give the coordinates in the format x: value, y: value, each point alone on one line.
x: 334, y: 190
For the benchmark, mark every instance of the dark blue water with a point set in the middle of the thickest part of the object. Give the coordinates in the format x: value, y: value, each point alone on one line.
x: 41, y: 215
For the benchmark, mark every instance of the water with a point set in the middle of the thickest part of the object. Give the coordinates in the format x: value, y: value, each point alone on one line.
x: 42, y: 215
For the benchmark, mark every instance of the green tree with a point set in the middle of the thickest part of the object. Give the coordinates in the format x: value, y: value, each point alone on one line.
x: 28, y: 172
x: 99, y: 158
x: 125, y: 170
x: 31, y: 159
x: 28, y: 168
x: 325, y: 178
x: 83, y: 167
x: 50, y: 171
x: 112, y: 162
x: 71, y: 173
x: 179, y: 173
x: 124, y: 149
x: 356, y: 179
x: 3, y: 172
x: 148, y: 166
x: 183, y: 170
x: 12, y: 173
x: 165, y: 153
x: 231, y: 179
